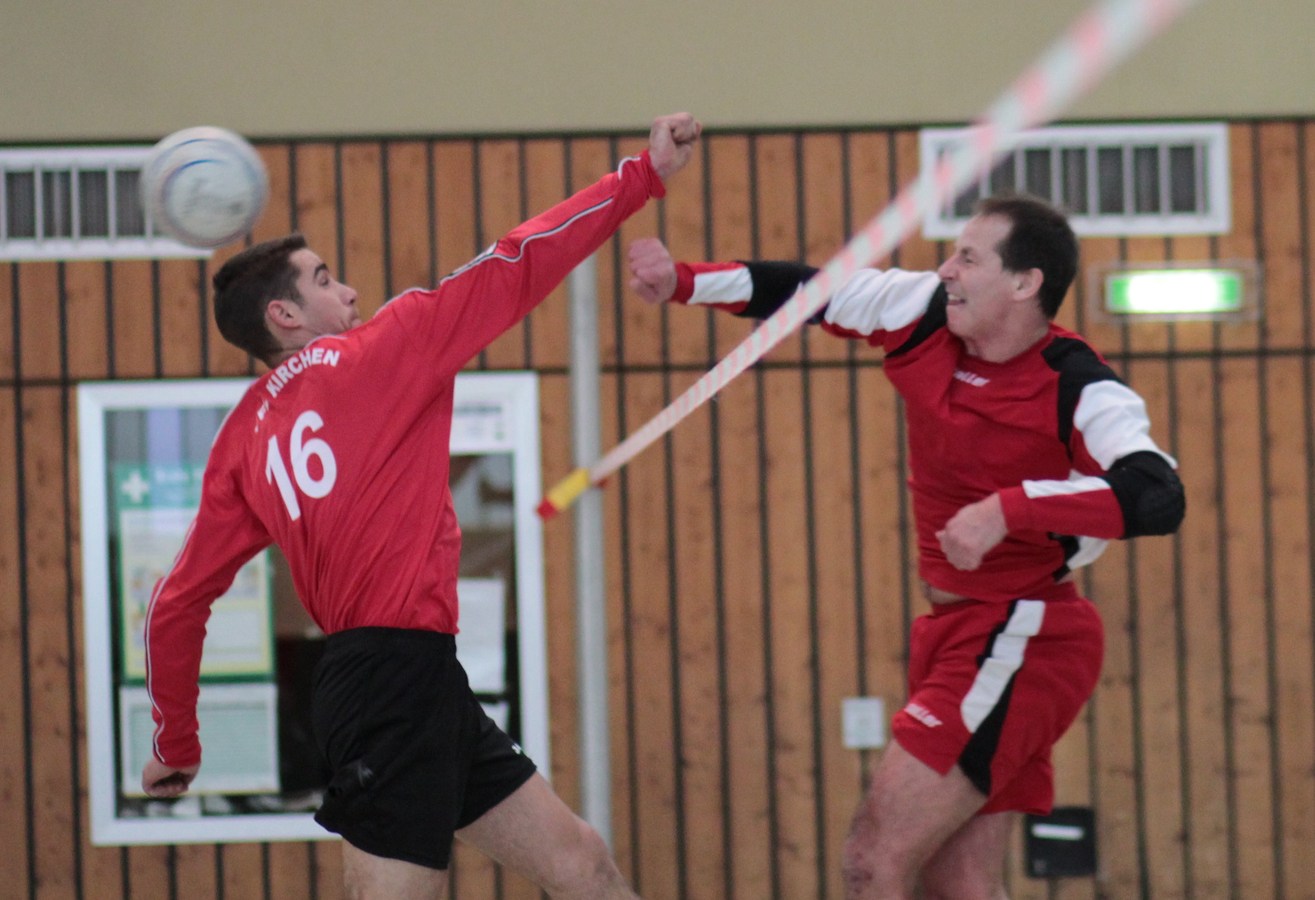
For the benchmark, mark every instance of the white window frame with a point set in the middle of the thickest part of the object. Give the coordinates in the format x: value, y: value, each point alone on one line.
x: 1213, y: 175
x: 504, y: 418
x: 38, y: 160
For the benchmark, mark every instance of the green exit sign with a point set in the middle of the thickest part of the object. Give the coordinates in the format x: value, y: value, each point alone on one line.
x: 1198, y: 291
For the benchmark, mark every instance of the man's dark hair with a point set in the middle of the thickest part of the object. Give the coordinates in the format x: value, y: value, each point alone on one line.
x: 1039, y: 238
x: 244, y: 286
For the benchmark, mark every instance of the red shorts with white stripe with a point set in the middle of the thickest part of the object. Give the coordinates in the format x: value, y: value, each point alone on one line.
x: 993, y: 686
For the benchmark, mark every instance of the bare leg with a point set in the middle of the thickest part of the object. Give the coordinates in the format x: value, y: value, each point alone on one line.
x: 971, y: 864
x: 534, y: 833
x: 369, y: 877
x: 909, y: 812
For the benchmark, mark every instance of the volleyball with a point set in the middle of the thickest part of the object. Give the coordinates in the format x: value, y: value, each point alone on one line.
x: 204, y: 186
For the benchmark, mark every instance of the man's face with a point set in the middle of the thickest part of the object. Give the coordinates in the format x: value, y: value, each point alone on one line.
x: 327, y: 305
x: 979, y: 287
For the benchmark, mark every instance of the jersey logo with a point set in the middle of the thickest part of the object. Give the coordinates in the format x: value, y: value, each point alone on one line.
x: 971, y: 378
x: 923, y: 715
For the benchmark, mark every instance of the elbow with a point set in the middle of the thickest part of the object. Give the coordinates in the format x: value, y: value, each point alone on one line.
x: 1158, y: 510
x: 1150, y: 494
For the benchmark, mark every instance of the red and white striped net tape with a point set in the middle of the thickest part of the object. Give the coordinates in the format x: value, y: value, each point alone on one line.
x: 1094, y: 45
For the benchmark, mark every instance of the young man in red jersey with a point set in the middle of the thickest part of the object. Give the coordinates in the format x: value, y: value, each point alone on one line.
x: 339, y: 456
x: 1026, y: 455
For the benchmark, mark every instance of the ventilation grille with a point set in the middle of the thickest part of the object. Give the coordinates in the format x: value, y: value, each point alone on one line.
x: 1111, y: 180
x: 78, y: 203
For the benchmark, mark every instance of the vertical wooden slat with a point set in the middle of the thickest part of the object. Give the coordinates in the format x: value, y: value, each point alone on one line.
x: 410, y: 244
x: 1204, y: 752
x: 363, y: 225
x: 644, y: 579
x: 548, y: 342
x: 741, y: 522
x: 1158, y: 688
x: 14, y: 716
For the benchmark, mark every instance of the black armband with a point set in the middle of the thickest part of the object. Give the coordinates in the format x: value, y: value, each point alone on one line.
x: 773, y: 284
x: 1149, y: 493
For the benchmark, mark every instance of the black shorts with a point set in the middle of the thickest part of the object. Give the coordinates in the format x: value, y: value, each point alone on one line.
x: 412, y: 754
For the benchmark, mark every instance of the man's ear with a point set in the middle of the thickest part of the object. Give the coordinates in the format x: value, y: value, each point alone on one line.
x: 1028, y: 282
x: 283, y: 314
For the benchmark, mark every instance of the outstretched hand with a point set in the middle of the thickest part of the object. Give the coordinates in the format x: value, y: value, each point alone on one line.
x: 652, y: 270
x: 166, y: 782
x: 671, y: 142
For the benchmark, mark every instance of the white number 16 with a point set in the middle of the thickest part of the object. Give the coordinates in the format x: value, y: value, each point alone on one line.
x: 301, y: 450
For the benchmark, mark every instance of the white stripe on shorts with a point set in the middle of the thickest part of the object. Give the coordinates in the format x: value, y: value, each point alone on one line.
x: 1005, y: 659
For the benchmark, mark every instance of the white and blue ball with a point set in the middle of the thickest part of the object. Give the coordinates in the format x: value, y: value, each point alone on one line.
x: 204, y: 186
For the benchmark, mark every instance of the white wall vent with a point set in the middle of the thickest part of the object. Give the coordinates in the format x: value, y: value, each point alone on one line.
x: 1112, y: 180
x: 78, y: 203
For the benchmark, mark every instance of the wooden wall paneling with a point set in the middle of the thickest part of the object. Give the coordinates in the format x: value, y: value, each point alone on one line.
x: 243, y: 870
x: 1288, y: 491
x: 916, y: 252
x: 1154, y: 587
x: 1249, y: 711
x: 1112, y: 713
x: 730, y: 183
x: 290, y: 870
x: 1107, y: 335
x: 790, y: 608
x: 1147, y: 337
x: 789, y: 630
x: 133, y: 320
x: 277, y: 220
x: 1305, y: 222
x: 1204, y: 753
x: 456, y: 220
x: 151, y: 872
x: 192, y: 872
x: 685, y: 222
x: 638, y: 327
x: 183, y: 330
x: 832, y: 500
x: 1282, y: 246
x: 317, y: 209
x: 742, y: 519
x: 39, y: 322
x: 361, y: 205
x: 682, y: 221
x: 641, y: 573
x: 777, y: 234
x: 1240, y: 242
x: 502, y: 195
x: 15, y: 716
x: 1192, y: 336
x: 1279, y: 235
x: 822, y: 226
x: 86, y: 317
x: 56, y: 831
x: 9, y: 334
x: 1118, y: 824
x: 698, y: 666
x: 589, y: 159
x: 548, y: 336
x: 409, y: 242
x: 559, y: 598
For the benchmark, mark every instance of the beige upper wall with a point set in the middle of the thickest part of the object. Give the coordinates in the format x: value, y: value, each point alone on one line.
x: 94, y: 70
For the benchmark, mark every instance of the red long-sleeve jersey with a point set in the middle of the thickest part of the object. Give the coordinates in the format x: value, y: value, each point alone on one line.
x: 340, y: 456
x: 1053, y: 431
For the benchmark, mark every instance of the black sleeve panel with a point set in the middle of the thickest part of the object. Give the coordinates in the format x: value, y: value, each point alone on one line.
x: 773, y: 284
x: 1149, y: 493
